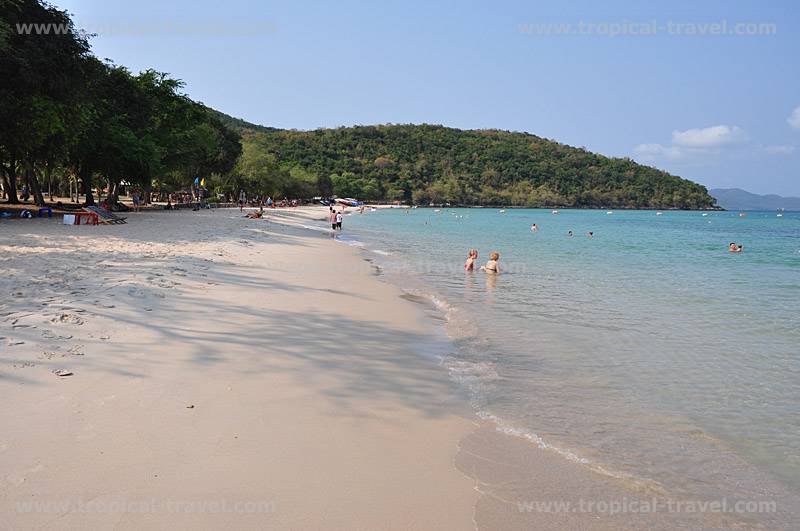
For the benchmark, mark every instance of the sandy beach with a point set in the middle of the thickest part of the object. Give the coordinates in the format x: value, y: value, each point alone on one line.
x: 227, y: 372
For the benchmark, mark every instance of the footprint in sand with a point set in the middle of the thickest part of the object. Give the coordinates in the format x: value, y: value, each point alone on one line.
x: 19, y: 477
x: 48, y: 334
x: 23, y: 364
x: 67, y: 318
x: 136, y: 292
x: 76, y: 350
x: 14, y: 342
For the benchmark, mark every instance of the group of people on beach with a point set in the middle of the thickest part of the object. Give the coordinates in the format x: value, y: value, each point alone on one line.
x: 490, y: 267
x: 336, y: 219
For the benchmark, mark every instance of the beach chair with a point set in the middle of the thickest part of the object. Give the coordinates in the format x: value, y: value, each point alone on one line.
x: 105, y: 216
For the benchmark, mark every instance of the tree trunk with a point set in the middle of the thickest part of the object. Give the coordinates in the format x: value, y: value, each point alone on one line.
x: 33, y: 183
x: 4, y: 181
x: 148, y: 191
x: 11, y: 174
x: 86, y: 181
x: 113, y: 193
x: 48, y: 172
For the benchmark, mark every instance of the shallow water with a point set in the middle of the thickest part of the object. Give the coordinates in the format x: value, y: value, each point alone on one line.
x: 647, y: 352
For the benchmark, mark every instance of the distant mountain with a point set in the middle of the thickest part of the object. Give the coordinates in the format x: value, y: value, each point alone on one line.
x: 738, y: 199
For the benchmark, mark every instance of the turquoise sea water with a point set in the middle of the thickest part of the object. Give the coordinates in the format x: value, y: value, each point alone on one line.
x: 648, y: 352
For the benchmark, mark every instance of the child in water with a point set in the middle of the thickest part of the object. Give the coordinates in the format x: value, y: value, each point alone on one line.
x: 491, y: 266
x: 469, y: 265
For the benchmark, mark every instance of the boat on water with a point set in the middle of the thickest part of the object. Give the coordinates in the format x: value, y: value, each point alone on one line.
x: 350, y: 202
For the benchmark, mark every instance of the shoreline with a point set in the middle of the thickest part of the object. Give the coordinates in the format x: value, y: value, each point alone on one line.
x: 604, y: 483
x: 316, y: 387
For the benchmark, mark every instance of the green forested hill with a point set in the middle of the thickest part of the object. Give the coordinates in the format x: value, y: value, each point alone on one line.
x: 436, y: 164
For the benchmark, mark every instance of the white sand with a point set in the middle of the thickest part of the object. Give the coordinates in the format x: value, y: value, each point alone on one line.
x: 314, y: 404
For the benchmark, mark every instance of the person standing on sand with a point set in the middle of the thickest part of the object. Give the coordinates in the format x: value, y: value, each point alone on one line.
x: 333, y: 218
x: 136, y: 200
x: 339, y: 219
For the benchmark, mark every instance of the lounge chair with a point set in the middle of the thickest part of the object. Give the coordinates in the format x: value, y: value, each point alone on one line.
x: 105, y: 216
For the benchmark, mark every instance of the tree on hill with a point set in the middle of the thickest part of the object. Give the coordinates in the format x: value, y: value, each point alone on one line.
x: 435, y: 164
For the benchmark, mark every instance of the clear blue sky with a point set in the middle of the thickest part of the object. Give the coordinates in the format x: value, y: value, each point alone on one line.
x: 717, y: 109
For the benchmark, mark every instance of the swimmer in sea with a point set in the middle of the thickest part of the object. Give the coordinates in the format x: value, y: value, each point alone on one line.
x: 534, y: 228
x: 469, y: 265
x: 491, y: 266
x: 570, y: 234
x: 590, y: 234
x: 734, y: 249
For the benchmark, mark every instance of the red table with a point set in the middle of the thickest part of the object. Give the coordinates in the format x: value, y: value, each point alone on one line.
x: 91, y: 218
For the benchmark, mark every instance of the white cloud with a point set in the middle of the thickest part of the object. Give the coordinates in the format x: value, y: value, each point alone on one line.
x: 779, y: 150
x: 709, y: 137
x: 794, y: 118
x: 658, y: 151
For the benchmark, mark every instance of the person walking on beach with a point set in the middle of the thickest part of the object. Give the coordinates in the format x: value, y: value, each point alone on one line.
x: 333, y: 218
x: 469, y: 265
x: 242, y: 198
x: 136, y: 200
x: 339, y: 218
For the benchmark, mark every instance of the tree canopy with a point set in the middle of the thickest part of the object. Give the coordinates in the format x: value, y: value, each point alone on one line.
x: 436, y: 164
x: 67, y: 112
